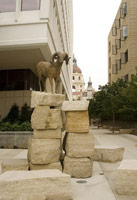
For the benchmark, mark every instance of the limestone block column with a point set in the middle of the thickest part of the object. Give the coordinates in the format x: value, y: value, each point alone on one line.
x: 44, y: 149
x: 79, y: 146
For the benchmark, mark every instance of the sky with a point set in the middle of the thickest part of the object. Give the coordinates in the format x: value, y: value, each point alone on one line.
x: 92, y: 21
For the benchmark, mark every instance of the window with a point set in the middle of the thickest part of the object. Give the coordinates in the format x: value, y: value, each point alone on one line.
x: 7, y: 6
x: 114, y: 49
x: 73, y: 78
x: 114, y: 69
x: 122, y: 38
x: 22, y: 79
x: 79, y: 78
x: 118, y: 43
x: 124, y: 57
x: 30, y: 5
x: 114, y: 31
x: 123, y: 10
x: 125, y: 32
x: 110, y: 62
x: 109, y: 46
x: 73, y: 87
x: 117, y: 23
x: 118, y: 63
x: 126, y: 77
x: 109, y: 78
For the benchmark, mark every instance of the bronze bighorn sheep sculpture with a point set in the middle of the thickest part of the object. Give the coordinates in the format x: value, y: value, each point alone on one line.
x: 51, y: 69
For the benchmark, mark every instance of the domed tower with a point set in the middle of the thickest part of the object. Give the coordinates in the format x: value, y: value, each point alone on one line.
x: 78, y: 84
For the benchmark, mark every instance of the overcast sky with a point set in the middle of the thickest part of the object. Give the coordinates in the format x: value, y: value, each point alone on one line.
x: 92, y: 23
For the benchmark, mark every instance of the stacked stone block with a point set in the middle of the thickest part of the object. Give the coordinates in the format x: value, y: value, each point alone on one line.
x: 79, y: 146
x: 44, y: 149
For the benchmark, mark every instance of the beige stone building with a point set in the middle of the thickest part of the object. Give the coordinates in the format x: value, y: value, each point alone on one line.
x: 122, y: 42
x: 78, y: 84
x: 31, y: 31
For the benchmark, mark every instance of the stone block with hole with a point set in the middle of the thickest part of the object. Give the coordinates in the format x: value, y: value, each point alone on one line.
x: 44, y: 151
x: 79, y: 145
x: 108, y: 153
x: 14, y: 164
x: 46, y: 99
x: 126, y: 178
x: 51, y: 183
x: 44, y: 117
x: 78, y: 167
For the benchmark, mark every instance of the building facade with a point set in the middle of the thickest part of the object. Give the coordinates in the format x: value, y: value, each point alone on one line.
x: 122, y: 42
x: 31, y: 31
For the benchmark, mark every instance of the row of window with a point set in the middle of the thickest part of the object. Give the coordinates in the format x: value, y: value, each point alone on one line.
x: 74, y: 87
x: 78, y: 78
x: 117, y: 65
x: 21, y: 79
x: 10, y: 5
x: 117, y: 25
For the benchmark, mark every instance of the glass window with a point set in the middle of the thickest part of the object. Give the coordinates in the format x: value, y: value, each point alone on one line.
x: 30, y: 5
x: 7, y: 6
x: 125, y: 31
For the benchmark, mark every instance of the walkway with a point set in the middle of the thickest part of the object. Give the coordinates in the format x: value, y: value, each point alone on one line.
x: 98, y: 187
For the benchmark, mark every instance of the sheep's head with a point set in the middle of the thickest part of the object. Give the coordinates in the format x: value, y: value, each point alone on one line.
x: 60, y: 57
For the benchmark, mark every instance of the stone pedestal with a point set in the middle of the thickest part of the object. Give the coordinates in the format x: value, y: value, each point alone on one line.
x: 44, y: 149
x: 78, y: 141
x: 35, y: 185
x: 126, y: 178
x: 108, y: 153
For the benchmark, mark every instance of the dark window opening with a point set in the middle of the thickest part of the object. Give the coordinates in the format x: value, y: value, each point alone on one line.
x: 126, y: 56
x: 21, y: 79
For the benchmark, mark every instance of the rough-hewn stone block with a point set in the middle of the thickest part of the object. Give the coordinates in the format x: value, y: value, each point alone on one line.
x: 126, y: 131
x: 47, y: 134
x: 45, y: 118
x: 79, y: 145
x: 126, y: 178
x: 46, y: 99
x: 52, y: 183
x: 75, y: 105
x: 56, y: 165
x: 44, y: 151
x: 14, y: 164
x: 77, y: 122
x: 78, y: 167
x: 108, y: 153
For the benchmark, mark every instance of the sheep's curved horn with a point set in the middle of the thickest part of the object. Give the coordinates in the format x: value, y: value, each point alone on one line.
x: 67, y: 58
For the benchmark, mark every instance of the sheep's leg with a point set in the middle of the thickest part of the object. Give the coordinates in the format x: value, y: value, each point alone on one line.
x: 51, y: 83
x: 45, y: 85
x: 40, y: 85
x: 57, y: 82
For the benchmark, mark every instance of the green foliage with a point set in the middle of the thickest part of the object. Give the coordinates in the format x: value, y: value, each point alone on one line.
x: 17, y: 121
x: 7, y: 126
x: 117, y: 100
x: 13, y: 114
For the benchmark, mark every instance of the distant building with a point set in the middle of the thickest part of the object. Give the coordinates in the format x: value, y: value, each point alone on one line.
x: 78, y: 84
x: 122, y: 42
x: 89, y: 92
x: 31, y: 31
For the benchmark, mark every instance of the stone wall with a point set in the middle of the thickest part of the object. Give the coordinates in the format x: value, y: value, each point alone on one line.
x: 15, y: 139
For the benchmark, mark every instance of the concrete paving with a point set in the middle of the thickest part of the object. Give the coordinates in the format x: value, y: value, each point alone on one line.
x: 101, y: 186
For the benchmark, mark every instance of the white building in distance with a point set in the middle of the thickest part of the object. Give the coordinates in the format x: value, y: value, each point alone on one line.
x: 31, y: 31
